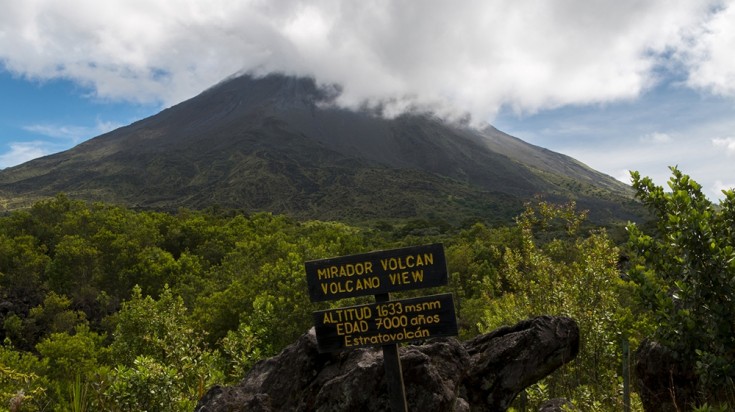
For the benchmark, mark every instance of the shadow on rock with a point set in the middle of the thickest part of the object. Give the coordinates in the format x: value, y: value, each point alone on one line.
x: 483, y: 374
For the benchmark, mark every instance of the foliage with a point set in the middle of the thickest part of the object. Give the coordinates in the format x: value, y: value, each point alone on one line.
x: 242, y: 348
x: 568, y: 275
x: 68, y: 357
x: 473, y: 260
x: 107, y: 308
x: 23, y: 261
x: 22, y: 384
x: 53, y: 315
x: 73, y: 361
x: 78, y: 395
x: 153, y: 344
x: 147, y: 385
x: 685, y: 271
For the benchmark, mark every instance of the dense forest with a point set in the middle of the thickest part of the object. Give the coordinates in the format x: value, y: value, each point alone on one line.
x: 108, y: 308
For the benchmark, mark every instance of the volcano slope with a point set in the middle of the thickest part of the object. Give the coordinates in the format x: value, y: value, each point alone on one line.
x: 280, y: 144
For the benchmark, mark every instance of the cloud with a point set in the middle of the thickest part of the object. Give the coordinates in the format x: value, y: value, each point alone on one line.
x: 623, y: 175
x: 728, y: 143
x: 719, y: 186
x: 698, y: 159
x: 474, y: 56
x: 710, y: 57
x: 656, y: 137
x: 75, y: 134
x: 21, y: 152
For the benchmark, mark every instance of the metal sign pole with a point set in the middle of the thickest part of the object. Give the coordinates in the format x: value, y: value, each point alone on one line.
x: 393, y: 372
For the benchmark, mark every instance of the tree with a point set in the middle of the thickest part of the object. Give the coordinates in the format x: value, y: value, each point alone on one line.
x: 685, y: 272
x: 22, y: 265
x: 158, y: 354
x: 52, y: 316
x: 474, y: 259
x: 71, y: 362
x: 21, y: 384
x: 147, y: 385
x: 67, y: 354
x: 556, y: 270
x: 75, y: 271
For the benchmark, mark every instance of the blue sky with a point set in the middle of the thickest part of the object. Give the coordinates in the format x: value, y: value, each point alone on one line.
x: 38, y: 117
x: 623, y: 85
x: 670, y: 125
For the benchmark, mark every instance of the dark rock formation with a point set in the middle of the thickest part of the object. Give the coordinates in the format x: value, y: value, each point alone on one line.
x: 483, y: 374
x: 529, y: 351
x: 664, y: 383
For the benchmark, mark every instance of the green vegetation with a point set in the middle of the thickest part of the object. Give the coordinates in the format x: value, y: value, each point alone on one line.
x: 573, y: 275
x: 106, y: 308
x: 685, y: 269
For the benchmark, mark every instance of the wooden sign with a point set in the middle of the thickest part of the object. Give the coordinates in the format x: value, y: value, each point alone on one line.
x: 376, y: 273
x: 385, y: 323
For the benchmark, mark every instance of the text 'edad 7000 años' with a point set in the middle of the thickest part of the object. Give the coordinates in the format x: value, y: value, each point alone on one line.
x: 385, y: 323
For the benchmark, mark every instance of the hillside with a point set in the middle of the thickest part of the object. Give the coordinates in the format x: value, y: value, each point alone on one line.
x: 278, y: 144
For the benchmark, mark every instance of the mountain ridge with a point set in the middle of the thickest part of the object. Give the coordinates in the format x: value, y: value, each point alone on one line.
x: 280, y: 144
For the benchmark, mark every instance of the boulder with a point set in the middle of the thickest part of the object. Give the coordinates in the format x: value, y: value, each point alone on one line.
x: 483, y: 374
x: 509, y: 359
x: 663, y: 382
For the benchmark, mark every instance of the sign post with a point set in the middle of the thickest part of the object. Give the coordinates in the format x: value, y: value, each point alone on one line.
x: 386, y: 322
x: 393, y: 371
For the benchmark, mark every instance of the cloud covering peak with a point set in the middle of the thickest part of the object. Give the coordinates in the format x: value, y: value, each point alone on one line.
x: 450, y: 57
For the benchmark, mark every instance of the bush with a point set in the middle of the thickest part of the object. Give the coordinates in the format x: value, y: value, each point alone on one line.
x: 685, y: 271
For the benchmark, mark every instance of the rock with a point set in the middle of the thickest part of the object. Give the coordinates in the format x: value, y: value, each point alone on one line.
x: 483, y: 374
x: 509, y: 359
x: 231, y: 400
x: 664, y: 384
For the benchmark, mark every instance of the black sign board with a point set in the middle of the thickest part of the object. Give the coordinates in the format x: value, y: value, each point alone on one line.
x: 376, y: 273
x: 385, y: 322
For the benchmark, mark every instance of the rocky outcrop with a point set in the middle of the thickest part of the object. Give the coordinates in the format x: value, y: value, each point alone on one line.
x: 664, y: 383
x: 484, y: 374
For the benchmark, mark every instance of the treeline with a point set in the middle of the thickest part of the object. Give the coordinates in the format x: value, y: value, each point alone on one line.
x: 124, y: 310
x: 106, y: 308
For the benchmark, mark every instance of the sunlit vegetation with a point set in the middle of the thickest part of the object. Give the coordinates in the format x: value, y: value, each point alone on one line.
x: 106, y: 308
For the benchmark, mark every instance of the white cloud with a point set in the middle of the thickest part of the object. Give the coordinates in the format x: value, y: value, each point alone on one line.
x: 21, y: 152
x: 710, y: 58
x: 74, y: 134
x: 728, y: 143
x: 622, y: 175
x: 475, y: 55
x: 719, y: 186
x: 656, y: 137
x: 64, y: 136
x: 698, y: 159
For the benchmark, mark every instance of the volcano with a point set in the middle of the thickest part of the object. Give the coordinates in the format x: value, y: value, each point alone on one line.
x: 280, y: 144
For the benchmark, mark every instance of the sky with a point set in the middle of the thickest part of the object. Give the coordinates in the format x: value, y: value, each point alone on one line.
x: 619, y: 85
